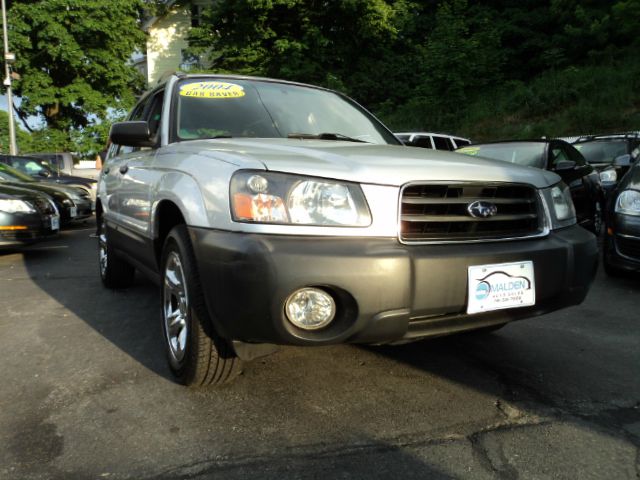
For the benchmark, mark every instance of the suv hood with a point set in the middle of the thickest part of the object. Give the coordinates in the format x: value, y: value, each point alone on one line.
x: 364, y: 163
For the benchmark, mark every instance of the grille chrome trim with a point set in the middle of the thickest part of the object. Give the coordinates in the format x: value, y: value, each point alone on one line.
x: 537, y: 198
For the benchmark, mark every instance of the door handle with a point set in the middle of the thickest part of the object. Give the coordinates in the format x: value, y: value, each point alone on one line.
x: 124, y: 169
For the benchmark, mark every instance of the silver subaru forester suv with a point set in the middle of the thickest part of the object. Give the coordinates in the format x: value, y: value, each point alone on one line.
x: 276, y: 213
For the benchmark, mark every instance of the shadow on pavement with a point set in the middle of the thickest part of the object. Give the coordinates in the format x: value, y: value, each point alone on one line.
x: 67, y: 270
x: 369, y: 410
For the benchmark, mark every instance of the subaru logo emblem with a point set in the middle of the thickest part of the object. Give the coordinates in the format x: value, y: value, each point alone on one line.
x: 482, y: 209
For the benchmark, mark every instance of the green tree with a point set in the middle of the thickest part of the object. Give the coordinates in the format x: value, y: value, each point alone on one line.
x: 344, y: 44
x: 72, y: 56
x: 22, y: 137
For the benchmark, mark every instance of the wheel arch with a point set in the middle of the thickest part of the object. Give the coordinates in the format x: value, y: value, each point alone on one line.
x: 178, y: 201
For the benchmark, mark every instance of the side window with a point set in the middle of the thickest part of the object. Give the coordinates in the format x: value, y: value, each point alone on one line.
x: 136, y: 114
x: 451, y: 144
x: 154, y: 113
x: 557, y: 155
x: 424, y: 142
x: 575, y: 156
x: 462, y: 143
x: 441, y: 143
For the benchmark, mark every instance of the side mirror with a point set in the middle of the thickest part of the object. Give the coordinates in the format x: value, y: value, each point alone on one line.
x: 131, y: 134
x: 564, y: 165
x: 43, y: 173
x: 622, y: 161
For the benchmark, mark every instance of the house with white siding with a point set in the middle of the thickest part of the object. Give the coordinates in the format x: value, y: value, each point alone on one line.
x: 167, y: 40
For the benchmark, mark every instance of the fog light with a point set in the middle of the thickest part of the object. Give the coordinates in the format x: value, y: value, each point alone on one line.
x: 310, y: 308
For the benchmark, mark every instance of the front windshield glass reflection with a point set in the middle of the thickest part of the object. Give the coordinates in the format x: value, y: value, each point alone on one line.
x: 528, y: 154
x: 217, y: 107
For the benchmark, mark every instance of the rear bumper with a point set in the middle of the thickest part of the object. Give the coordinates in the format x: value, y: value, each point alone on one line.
x: 385, y: 291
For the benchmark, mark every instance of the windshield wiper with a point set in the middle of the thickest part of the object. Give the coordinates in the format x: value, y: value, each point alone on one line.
x: 325, y: 136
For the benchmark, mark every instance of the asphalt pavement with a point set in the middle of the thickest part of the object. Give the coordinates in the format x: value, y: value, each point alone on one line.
x: 86, y: 394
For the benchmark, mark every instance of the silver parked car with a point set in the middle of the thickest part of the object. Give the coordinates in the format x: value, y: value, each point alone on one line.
x: 276, y: 213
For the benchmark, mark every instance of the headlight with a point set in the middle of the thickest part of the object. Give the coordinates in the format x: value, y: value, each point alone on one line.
x: 15, y: 206
x: 266, y: 197
x: 608, y: 176
x: 628, y: 202
x: 563, y: 213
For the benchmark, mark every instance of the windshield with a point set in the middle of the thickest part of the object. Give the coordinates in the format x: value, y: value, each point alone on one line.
x: 209, y: 108
x: 602, y: 152
x: 12, y: 175
x: 528, y: 154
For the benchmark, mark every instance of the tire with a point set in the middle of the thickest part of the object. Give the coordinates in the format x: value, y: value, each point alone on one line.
x: 597, y: 221
x: 197, y: 355
x: 115, y: 272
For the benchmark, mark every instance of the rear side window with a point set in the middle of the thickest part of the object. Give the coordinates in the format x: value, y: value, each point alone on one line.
x: 423, y: 142
x: 442, y: 143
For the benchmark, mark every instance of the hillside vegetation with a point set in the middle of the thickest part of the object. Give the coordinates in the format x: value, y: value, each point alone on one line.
x: 490, y: 69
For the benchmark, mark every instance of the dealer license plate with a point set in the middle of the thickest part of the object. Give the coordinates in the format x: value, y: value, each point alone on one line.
x: 73, y: 212
x: 55, y: 222
x: 503, y: 285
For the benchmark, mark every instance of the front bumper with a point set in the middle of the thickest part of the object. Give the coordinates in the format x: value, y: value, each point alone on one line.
x: 622, y: 245
x: 37, y: 228
x: 385, y: 292
x: 83, y: 210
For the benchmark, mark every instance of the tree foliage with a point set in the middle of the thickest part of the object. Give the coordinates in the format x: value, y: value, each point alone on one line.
x: 457, y: 65
x: 72, y: 58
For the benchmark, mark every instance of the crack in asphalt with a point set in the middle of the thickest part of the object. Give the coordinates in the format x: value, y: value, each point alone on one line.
x: 335, y: 450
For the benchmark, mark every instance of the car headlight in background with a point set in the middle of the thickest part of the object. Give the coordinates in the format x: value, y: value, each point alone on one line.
x: 608, y: 176
x: 15, y: 206
x: 628, y: 202
x: 267, y: 197
x: 563, y: 212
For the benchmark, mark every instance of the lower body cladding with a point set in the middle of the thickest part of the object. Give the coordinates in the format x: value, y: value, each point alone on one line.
x: 25, y: 229
x: 622, y: 243
x: 384, y: 291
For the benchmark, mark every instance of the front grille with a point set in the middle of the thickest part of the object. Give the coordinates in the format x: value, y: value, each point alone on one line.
x: 44, y: 206
x: 629, y: 247
x: 434, y: 213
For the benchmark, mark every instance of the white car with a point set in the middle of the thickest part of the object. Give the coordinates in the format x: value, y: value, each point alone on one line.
x: 276, y: 213
x: 433, y: 141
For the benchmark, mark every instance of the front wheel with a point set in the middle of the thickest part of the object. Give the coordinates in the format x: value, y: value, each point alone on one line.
x: 197, y: 356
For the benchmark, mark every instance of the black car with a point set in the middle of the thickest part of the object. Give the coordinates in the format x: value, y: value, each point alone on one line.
x: 611, y: 155
x: 39, y: 170
x: 559, y: 157
x: 26, y: 216
x: 622, y: 239
x: 72, y: 203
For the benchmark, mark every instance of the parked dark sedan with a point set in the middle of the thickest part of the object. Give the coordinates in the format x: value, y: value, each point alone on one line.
x: 39, y: 170
x: 611, y: 155
x: 622, y: 240
x: 26, y: 216
x: 72, y: 203
x: 560, y: 157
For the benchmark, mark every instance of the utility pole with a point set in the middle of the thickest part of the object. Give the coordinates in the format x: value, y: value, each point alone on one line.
x: 8, y: 59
